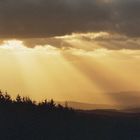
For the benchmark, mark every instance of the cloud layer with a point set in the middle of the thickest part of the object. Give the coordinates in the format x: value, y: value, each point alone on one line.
x: 43, y: 18
x: 87, y: 41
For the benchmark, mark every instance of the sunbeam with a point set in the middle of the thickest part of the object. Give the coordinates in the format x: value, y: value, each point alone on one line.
x: 89, y: 69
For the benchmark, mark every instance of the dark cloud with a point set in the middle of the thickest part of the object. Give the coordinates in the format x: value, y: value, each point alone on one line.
x: 43, y: 18
x: 89, y: 41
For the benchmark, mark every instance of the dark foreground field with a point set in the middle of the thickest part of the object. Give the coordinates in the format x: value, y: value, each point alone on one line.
x: 23, y: 119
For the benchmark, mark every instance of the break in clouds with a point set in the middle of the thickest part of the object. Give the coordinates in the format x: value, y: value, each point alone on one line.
x: 48, y: 18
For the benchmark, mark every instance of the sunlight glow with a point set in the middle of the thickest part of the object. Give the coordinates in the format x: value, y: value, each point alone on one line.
x: 85, y: 71
x: 12, y: 44
x: 84, y: 35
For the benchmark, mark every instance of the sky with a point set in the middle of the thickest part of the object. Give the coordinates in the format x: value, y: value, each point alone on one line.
x: 71, y: 50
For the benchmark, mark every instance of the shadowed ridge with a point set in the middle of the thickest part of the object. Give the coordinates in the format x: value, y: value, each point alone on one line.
x: 25, y: 119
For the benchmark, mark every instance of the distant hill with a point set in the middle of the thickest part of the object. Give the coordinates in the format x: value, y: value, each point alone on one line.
x: 86, y: 106
x: 127, y: 100
x: 25, y: 119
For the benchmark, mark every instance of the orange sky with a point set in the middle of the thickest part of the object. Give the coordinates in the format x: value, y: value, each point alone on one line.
x: 84, y: 70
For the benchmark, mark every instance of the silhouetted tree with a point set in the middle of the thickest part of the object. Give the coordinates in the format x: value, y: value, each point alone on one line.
x: 23, y: 118
x: 2, y: 99
x: 18, y: 99
x: 51, y: 104
x: 7, y: 97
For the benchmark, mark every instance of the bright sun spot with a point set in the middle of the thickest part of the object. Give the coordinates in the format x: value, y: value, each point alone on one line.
x: 12, y: 44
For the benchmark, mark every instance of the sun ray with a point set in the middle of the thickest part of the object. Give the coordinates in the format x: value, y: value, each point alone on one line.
x: 77, y: 73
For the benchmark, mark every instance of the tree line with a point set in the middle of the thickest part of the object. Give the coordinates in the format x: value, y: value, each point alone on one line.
x: 27, y: 103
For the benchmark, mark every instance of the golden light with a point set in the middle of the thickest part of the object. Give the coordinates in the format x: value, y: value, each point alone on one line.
x: 12, y: 44
x: 47, y: 71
